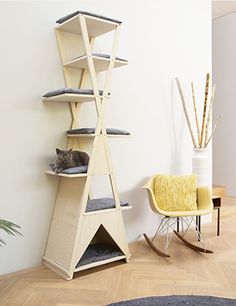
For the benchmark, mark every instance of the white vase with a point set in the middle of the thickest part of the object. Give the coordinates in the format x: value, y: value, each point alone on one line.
x: 201, y: 167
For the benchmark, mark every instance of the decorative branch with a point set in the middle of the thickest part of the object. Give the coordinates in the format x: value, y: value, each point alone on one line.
x: 209, y: 115
x: 213, y: 131
x: 185, y: 112
x: 204, y: 109
x: 195, y: 113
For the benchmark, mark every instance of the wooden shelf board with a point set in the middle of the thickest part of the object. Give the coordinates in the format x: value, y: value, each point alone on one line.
x: 96, y: 26
x: 107, y: 210
x: 99, y: 263
x: 50, y: 172
x: 101, y: 63
x: 93, y: 135
x: 70, y: 98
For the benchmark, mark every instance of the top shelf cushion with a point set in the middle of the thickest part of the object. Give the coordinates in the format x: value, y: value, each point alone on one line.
x: 69, y: 16
x: 62, y: 91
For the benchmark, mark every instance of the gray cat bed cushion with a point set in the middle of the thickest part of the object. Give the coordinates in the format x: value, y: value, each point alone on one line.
x: 111, y: 131
x: 102, y: 55
x: 97, y: 252
x: 102, y: 203
x: 69, y: 16
x: 75, y: 91
x: 75, y: 170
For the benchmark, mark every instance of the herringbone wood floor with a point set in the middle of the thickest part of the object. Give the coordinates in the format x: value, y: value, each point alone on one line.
x: 186, y: 272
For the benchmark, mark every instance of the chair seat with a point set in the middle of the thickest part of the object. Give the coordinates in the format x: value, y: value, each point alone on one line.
x: 186, y: 213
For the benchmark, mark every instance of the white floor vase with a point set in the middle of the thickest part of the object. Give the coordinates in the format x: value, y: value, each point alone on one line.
x: 200, y: 166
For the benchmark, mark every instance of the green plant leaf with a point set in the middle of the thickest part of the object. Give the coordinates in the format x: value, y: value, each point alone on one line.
x: 10, y: 228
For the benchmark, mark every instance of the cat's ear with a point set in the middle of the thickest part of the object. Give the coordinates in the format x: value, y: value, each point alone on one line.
x: 70, y: 150
x: 58, y: 150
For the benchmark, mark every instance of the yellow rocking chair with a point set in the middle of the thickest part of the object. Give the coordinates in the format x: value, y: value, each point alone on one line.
x: 162, y: 189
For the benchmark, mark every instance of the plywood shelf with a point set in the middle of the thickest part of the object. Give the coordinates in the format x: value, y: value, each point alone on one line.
x: 99, y: 263
x: 70, y: 98
x: 50, y: 172
x: 101, y: 63
x: 107, y: 210
x: 95, y: 26
x: 93, y: 135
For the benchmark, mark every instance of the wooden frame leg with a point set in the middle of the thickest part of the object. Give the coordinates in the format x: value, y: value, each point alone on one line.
x: 218, y: 222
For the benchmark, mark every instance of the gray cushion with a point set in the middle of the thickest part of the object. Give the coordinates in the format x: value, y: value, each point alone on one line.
x: 102, y: 203
x: 70, y: 91
x: 111, y: 131
x: 98, y: 252
x: 75, y: 170
x: 67, y: 17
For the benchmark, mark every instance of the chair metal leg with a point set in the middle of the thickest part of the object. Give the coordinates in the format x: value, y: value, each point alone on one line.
x: 188, y: 221
x: 177, y: 223
x: 166, y: 227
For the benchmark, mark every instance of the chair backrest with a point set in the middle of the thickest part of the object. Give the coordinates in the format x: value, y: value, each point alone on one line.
x: 203, y: 198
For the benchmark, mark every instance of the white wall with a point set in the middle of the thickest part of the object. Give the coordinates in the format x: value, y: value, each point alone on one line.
x: 224, y: 67
x: 162, y: 39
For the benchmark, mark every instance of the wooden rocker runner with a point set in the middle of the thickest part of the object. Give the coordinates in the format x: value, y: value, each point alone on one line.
x: 163, y: 188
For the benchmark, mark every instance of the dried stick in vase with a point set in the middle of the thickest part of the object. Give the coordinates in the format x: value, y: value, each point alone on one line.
x: 204, y: 109
x: 209, y: 115
x: 217, y: 120
x: 185, y: 112
x: 195, y: 113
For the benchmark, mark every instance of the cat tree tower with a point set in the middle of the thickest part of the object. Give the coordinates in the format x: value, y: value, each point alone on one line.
x: 86, y: 232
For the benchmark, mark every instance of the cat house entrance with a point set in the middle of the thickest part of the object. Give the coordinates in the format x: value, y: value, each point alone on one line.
x: 101, y: 248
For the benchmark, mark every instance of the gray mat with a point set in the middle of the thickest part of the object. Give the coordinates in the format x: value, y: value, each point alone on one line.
x: 102, y: 203
x: 69, y: 16
x: 98, y: 252
x: 178, y: 300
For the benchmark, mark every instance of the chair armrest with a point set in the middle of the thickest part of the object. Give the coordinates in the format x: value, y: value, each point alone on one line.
x: 204, y: 198
x: 151, y: 197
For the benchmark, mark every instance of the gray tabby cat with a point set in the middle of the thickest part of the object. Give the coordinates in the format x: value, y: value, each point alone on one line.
x: 69, y: 159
